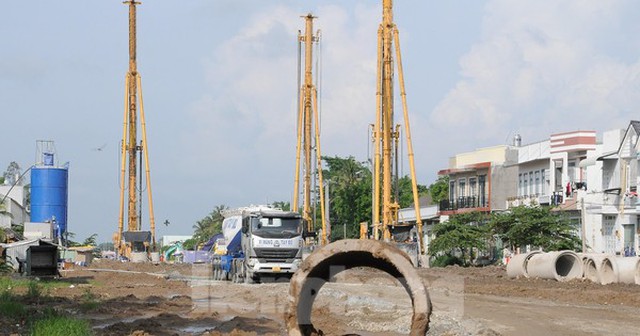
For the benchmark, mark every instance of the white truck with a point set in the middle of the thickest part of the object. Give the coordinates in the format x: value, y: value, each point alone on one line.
x: 259, y: 242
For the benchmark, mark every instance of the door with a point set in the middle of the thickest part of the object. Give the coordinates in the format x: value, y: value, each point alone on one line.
x: 629, y: 238
x: 608, y: 236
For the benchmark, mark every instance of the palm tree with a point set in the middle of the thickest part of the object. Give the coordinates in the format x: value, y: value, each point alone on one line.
x: 210, y: 225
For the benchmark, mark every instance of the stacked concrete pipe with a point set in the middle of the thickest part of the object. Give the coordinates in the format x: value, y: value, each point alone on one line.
x: 628, y: 270
x: 601, y: 268
x: 560, y: 265
x: 517, y: 266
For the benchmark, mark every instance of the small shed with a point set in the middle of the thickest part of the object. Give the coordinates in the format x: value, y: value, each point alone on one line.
x: 83, y: 254
x: 18, y: 250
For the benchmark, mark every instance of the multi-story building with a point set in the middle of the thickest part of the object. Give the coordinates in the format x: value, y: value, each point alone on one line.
x: 594, y: 182
x: 478, y: 180
x: 610, y: 199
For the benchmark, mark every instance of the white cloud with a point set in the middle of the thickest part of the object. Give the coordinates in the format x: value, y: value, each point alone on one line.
x: 246, y: 125
x: 543, y: 67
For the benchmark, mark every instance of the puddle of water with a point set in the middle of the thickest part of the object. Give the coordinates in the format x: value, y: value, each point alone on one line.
x: 113, y: 321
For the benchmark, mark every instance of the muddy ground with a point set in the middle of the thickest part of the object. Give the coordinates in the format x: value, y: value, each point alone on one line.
x: 146, y: 299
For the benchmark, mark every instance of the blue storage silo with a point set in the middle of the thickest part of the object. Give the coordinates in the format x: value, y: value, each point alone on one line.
x: 49, y: 194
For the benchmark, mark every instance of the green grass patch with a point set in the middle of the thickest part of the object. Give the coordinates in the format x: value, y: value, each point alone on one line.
x: 10, y: 307
x: 88, y: 300
x: 34, y: 290
x: 10, y: 283
x: 60, y: 326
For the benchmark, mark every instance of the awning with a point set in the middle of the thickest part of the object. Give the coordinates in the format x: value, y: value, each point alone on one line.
x: 608, y: 156
x: 590, y: 161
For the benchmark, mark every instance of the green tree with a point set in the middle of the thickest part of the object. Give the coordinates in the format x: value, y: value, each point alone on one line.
x: 350, y: 189
x: 535, y: 226
x: 205, y: 228
x: 405, y: 191
x: 285, y: 206
x: 462, y: 232
x: 91, y: 240
x: 350, y: 195
x: 189, y: 244
x: 439, y: 190
x: 12, y: 174
x: 69, y: 236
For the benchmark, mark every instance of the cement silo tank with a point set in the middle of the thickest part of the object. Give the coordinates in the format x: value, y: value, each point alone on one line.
x: 49, y: 195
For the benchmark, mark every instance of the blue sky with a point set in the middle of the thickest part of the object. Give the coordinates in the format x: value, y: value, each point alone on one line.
x: 219, y: 81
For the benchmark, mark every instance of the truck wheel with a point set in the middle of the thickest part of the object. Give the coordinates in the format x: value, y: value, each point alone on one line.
x: 248, y: 279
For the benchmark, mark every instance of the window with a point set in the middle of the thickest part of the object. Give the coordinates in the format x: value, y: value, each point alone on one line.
x: 526, y: 184
x: 520, y: 186
x: 531, y: 186
x: 543, y: 178
x: 452, y: 190
x: 462, y: 185
x: 481, y: 190
x: 537, y: 174
x: 472, y: 187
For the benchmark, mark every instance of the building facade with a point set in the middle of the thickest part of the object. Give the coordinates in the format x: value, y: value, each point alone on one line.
x: 593, y: 181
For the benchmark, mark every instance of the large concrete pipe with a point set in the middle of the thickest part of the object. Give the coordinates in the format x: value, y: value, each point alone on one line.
x: 601, y: 268
x: 560, y: 265
x: 628, y: 270
x: 342, y: 255
x: 517, y: 266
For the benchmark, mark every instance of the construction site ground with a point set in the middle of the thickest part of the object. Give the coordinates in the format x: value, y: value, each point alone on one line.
x: 167, y: 299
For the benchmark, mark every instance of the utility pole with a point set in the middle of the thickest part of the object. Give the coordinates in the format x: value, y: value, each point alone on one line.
x: 131, y: 148
x: 386, y: 134
x: 308, y: 132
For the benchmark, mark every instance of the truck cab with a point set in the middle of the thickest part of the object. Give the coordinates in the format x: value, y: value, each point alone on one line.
x: 272, y: 243
x: 258, y: 242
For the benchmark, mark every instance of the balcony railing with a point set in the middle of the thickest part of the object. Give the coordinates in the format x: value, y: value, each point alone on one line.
x: 466, y: 202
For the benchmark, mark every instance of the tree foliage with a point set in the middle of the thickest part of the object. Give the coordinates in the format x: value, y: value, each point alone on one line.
x: 210, y: 225
x: 350, y: 195
x: 285, y: 206
x: 91, y: 240
x: 13, y: 172
x: 350, y: 191
x: 462, y: 232
x: 518, y: 227
x: 535, y: 226
x: 405, y: 192
x: 439, y: 190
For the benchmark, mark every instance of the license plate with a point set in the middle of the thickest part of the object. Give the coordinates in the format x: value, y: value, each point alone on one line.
x: 275, y: 269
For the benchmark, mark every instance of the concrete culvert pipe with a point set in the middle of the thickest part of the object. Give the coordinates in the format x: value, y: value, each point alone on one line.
x: 602, y: 269
x: 561, y: 265
x: 628, y: 270
x: 517, y: 266
x: 342, y: 255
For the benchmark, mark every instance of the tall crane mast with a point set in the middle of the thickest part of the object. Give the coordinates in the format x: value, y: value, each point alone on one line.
x: 386, y: 135
x: 308, y: 132
x: 131, y: 149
